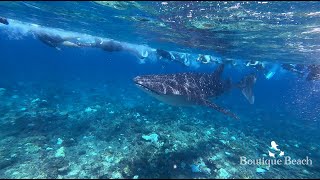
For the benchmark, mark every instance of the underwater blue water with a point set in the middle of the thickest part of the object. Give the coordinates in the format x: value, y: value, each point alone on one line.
x: 87, y: 98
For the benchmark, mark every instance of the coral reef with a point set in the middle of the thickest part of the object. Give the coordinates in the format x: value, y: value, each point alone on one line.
x: 99, y: 135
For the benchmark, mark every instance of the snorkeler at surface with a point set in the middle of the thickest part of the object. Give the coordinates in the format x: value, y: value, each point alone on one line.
x: 269, y: 70
x: 53, y: 40
x: 181, y: 58
x: 314, y: 73
x: 110, y: 45
x: 256, y: 64
x: 204, y: 58
x: 164, y: 54
x: 295, y: 68
x: 4, y: 21
x: 113, y: 46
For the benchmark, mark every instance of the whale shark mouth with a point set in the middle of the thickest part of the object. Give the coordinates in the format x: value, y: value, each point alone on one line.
x: 142, y: 86
x: 146, y: 88
x: 169, y: 99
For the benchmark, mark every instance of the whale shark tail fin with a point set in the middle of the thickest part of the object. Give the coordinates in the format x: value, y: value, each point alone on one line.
x: 246, y: 86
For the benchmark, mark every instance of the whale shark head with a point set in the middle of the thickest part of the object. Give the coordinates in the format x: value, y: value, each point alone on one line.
x: 149, y: 84
x: 166, y: 88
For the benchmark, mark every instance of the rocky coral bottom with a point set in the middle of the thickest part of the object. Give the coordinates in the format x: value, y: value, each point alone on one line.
x: 119, y: 132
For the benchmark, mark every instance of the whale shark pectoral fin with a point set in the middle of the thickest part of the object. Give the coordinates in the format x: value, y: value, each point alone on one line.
x: 247, y: 92
x: 220, y: 109
x: 219, y: 70
x: 246, y: 86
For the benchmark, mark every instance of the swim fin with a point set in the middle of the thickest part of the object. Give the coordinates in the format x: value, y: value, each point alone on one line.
x: 270, y: 74
x: 272, y: 71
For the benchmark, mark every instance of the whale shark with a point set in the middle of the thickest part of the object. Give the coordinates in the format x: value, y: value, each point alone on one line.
x: 191, y: 88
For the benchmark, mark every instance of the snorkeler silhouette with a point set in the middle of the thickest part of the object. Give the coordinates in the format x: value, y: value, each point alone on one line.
x: 314, y: 73
x: 256, y: 64
x: 110, y: 45
x: 54, y: 40
x: 113, y: 46
x: 164, y: 54
x: 4, y: 21
x: 295, y: 68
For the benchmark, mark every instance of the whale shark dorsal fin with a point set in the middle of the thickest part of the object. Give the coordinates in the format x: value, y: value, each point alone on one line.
x: 220, y: 109
x: 218, y: 71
